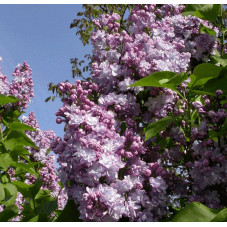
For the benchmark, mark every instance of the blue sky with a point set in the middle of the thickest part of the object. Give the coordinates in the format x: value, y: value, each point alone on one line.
x: 40, y: 35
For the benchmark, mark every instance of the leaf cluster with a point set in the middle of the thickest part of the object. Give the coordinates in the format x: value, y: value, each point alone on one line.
x: 38, y: 203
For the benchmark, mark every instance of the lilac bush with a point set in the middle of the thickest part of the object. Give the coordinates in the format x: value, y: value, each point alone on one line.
x: 107, y: 166
x: 144, y: 136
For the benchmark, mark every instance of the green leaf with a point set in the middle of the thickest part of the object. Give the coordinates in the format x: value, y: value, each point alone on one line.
x: 193, y: 80
x: 10, y: 194
x: 20, y: 126
x: 34, y: 219
x: 162, y: 79
x: 177, y: 80
x: 222, y: 60
x: 23, y: 188
x: 47, y: 207
x: 204, y: 11
x: 198, y: 92
x: 207, y: 30
x: 221, y: 216
x: 215, y: 84
x: 18, y: 138
x: 195, y: 212
x: 2, y: 192
x: 7, y: 198
x: 25, y: 167
x: 36, y: 187
x: 212, y: 134
x: 47, y: 99
x: 16, y: 113
x: 30, y: 216
x: 7, y: 99
x: 38, y: 218
x: 8, y: 213
x: 22, y: 152
x: 156, y: 79
x: 156, y: 127
x: 5, y: 178
x: 42, y: 194
x: 35, y: 163
x: 28, y: 191
x: 28, y: 212
x: 204, y: 72
x: 70, y: 213
x: 5, y: 161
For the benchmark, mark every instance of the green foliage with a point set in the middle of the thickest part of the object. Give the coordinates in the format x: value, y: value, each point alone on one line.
x: 47, y: 207
x: 39, y: 203
x: 156, y: 127
x: 10, y: 194
x: 21, y: 151
x: 42, y: 195
x: 5, y: 161
x: 206, y: 70
x: 47, y: 99
x: 2, y: 192
x: 24, y: 189
x: 24, y: 167
x: 123, y: 127
x: 162, y: 79
x: 207, y: 78
x: 204, y: 11
x: 18, y: 138
x: 28, y: 191
x: 70, y: 213
x: 8, y: 213
x: 207, y: 30
x: 38, y: 218
x: 222, y: 60
x: 202, y: 73
x: 20, y: 126
x: 197, y: 212
x: 36, y: 187
x: 7, y: 99
x: 4, y: 178
x: 217, y: 83
x: 221, y: 216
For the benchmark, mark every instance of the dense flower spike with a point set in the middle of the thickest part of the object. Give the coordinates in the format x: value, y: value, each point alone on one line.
x: 21, y: 86
x: 94, y: 155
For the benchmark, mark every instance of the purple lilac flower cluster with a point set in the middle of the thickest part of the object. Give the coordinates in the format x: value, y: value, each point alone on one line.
x: 21, y: 86
x: 101, y: 169
x: 109, y: 172
x: 157, y: 39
